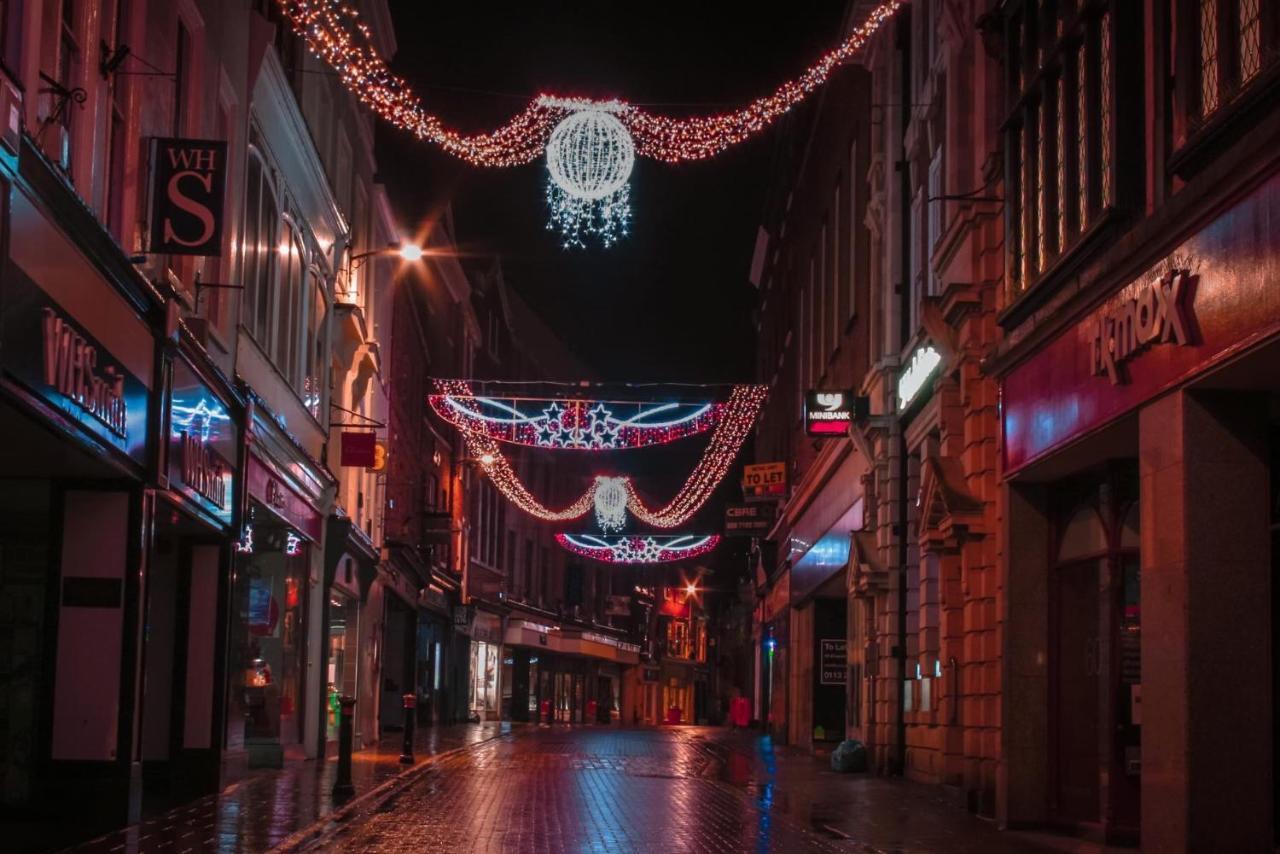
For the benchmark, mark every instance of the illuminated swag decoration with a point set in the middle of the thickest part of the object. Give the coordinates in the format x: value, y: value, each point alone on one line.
x: 580, y: 425
x: 589, y: 146
x: 605, y: 495
x: 650, y: 548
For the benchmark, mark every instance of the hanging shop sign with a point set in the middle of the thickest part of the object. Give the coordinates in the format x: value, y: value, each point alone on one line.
x: 748, y: 520
x: 829, y: 413
x: 55, y: 356
x: 188, y: 187
x: 463, y: 615
x: 764, y: 481
x: 919, y: 370
x: 834, y: 661
x: 358, y: 449
x: 202, y: 444
x: 1127, y: 326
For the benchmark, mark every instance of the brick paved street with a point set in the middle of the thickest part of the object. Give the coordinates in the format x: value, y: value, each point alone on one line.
x: 671, y: 790
x: 264, y: 809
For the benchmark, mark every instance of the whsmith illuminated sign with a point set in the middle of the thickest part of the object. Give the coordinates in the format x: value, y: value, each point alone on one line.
x: 71, y: 368
x: 924, y: 361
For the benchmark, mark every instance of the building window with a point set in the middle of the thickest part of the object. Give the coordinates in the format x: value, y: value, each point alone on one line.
x: 836, y: 314
x: 261, y: 227
x: 1105, y: 130
x: 917, y: 266
x: 1060, y: 165
x: 935, y: 217
x: 1208, y: 56
x: 1250, y: 39
x: 1061, y: 133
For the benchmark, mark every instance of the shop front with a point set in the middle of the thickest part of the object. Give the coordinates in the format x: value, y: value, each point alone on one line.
x: 823, y: 518
x: 1141, y: 441
x: 565, y: 675
x: 191, y: 551
x: 484, y: 688
x: 79, y: 404
x: 435, y: 653
x: 277, y: 568
x: 349, y: 569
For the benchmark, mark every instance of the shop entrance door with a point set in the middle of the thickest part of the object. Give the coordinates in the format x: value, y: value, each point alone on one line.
x: 1095, y: 664
x: 1075, y: 688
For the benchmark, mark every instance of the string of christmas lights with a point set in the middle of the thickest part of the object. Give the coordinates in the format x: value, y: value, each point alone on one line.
x: 585, y: 425
x: 652, y: 548
x: 722, y: 449
x: 335, y: 33
x: 726, y: 440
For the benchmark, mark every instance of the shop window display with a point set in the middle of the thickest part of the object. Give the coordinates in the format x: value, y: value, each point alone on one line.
x: 268, y: 642
x: 344, y: 616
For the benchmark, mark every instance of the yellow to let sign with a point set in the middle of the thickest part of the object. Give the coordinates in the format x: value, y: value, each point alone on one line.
x: 764, y: 480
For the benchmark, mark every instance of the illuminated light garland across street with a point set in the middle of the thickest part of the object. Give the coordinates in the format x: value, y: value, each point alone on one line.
x: 590, y: 145
x: 582, y: 425
x: 632, y: 549
x: 334, y: 32
x: 726, y: 440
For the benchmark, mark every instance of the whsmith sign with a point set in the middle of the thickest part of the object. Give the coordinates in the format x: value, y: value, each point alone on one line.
x: 189, y: 178
x: 1125, y: 327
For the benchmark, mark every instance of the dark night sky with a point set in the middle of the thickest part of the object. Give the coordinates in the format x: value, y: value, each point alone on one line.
x: 672, y: 301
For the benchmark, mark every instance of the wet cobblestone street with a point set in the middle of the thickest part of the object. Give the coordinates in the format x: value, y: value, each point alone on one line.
x: 681, y: 790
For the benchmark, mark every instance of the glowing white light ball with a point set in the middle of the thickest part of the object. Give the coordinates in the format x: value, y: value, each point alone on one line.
x: 611, y: 503
x: 590, y: 155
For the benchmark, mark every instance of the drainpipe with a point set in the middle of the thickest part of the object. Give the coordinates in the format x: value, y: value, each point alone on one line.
x: 904, y: 223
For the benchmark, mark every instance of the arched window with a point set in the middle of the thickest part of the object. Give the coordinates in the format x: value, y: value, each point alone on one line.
x: 1083, y: 536
x: 259, y: 245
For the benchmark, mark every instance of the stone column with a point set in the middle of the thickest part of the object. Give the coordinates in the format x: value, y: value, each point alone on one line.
x: 1022, y: 776
x: 1206, y: 601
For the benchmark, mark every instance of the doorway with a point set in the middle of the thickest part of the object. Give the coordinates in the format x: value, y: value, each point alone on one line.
x: 1095, y: 660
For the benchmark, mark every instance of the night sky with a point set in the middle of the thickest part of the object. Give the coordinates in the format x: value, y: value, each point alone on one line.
x: 672, y: 301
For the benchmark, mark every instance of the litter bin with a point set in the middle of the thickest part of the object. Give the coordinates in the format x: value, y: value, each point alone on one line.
x: 673, y: 715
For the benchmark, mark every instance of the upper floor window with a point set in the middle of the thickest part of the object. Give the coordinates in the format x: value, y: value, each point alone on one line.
x: 286, y: 301
x: 1060, y: 132
x: 1234, y: 41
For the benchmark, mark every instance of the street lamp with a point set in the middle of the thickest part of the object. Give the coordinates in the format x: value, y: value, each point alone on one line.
x: 406, y: 251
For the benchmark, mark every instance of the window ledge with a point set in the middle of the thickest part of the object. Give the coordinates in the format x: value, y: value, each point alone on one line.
x: 1062, y: 267
x: 1226, y: 125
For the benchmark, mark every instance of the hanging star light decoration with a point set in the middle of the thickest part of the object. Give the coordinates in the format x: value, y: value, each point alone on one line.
x: 590, y: 146
x: 726, y: 440
x: 631, y: 549
x: 578, y: 424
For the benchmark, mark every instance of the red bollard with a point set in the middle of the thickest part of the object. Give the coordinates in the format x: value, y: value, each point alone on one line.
x: 410, y: 703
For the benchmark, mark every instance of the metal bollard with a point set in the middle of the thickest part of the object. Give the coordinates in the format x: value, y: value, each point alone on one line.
x: 410, y: 704
x: 342, y: 787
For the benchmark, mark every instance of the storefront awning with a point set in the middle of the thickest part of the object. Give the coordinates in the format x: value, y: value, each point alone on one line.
x: 570, y: 642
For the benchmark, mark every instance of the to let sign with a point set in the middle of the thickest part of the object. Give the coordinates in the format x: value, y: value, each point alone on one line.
x: 189, y: 186
x: 834, y: 654
x: 764, y: 481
